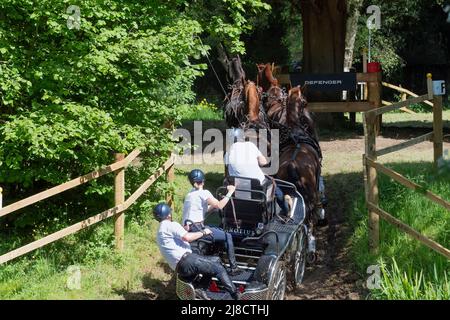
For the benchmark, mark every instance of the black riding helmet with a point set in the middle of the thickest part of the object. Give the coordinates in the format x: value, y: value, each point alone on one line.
x: 161, y: 211
x: 196, y: 175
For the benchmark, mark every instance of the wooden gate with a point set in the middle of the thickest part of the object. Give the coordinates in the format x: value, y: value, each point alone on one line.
x: 372, y: 167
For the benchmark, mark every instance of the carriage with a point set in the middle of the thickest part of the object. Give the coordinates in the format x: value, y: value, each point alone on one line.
x: 270, y: 249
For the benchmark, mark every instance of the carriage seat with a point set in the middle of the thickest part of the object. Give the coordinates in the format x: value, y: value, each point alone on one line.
x: 248, y: 188
x: 252, y: 203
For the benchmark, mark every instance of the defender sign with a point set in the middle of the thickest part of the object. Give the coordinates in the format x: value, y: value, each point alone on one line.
x: 439, y: 88
x: 325, y: 82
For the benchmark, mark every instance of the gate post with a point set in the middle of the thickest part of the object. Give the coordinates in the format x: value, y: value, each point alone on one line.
x: 438, y: 135
x: 374, y: 96
x: 371, y: 184
x: 119, y: 198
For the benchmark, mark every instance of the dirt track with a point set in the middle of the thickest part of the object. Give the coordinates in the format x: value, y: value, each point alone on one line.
x: 333, y: 275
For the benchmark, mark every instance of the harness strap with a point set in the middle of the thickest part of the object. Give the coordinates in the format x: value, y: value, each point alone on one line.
x: 296, y: 151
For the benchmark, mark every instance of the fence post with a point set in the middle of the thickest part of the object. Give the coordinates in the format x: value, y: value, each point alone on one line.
x: 374, y: 96
x: 1, y: 197
x: 119, y: 198
x: 170, y: 176
x: 372, y: 181
x: 438, y: 134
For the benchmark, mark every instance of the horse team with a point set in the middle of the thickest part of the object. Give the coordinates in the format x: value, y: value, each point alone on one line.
x: 265, y: 105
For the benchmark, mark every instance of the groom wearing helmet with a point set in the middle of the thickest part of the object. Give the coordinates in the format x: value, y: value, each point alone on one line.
x: 197, y: 203
x: 173, y: 242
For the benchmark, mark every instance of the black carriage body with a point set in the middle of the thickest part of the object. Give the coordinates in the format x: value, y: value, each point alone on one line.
x: 267, y: 245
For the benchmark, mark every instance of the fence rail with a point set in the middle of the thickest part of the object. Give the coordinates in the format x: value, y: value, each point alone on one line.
x: 372, y: 167
x: 117, y: 211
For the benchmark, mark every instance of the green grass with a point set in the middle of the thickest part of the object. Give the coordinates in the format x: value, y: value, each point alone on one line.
x: 202, y: 111
x: 402, y: 119
x: 44, y: 274
x: 410, y: 270
x: 138, y: 273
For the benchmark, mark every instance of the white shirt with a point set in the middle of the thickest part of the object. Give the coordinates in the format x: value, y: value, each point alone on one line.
x: 196, y: 205
x: 242, y: 161
x: 170, y: 244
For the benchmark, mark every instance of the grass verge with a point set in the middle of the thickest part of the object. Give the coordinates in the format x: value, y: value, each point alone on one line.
x: 409, y: 270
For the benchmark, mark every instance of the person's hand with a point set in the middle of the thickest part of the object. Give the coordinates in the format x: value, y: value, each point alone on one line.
x: 207, y: 231
x: 186, y: 227
x: 231, y: 188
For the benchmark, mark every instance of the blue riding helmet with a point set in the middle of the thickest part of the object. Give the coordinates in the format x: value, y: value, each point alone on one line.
x: 161, y: 211
x: 196, y: 175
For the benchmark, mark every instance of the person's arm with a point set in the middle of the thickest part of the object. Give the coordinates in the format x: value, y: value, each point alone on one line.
x: 214, y: 203
x: 192, y: 236
x: 262, y: 161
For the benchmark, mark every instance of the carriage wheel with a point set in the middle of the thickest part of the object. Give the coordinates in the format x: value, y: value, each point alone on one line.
x: 299, y: 261
x: 277, y: 283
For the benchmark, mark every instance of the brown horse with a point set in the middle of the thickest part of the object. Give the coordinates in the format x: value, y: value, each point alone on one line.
x: 243, y: 107
x: 300, y: 160
x: 300, y: 155
x: 265, y: 78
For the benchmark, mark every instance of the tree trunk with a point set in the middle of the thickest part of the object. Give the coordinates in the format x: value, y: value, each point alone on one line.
x: 353, y: 7
x: 324, y: 30
x: 352, y: 29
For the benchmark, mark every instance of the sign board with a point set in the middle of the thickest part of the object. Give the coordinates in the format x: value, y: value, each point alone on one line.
x: 439, y: 88
x: 325, y: 82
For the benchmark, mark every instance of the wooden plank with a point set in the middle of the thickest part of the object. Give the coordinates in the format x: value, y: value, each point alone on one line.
x: 438, y: 129
x: 61, y: 234
x: 368, y: 77
x: 340, y: 106
x: 409, y: 184
x: 374, y: 96
x: 88, y: 222
x: 398, y: 105
x: 132, y: 199
x: 404, y: 109
x: 68, y: 185
x: 119, y: 198
x: 408, y: 92
x: 372, y: 181
x: 410, y: 231
x: 406, y: 144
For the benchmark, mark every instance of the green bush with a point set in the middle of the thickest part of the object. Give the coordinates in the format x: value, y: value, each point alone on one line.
x: 72, y: 97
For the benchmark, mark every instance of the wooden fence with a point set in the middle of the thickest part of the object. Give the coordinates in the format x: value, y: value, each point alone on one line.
x: 404, y: 95
x: 118, y: 211
x: 372, y: 167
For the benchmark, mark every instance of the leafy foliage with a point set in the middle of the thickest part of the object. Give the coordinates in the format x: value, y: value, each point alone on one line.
x: 72, y: 97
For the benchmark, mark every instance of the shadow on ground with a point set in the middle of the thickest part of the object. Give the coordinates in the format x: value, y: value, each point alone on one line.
x: 334, y: 276
x: 152, y: 289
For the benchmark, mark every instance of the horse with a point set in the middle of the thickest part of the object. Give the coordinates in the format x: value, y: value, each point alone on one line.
x: 300, y: 160
x: 243, y: 107
x: 265, y: 78
x: 300, y: 154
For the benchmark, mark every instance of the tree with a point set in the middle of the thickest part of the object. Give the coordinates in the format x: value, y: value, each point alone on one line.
x: 354, y: 7
x: 71, y: 97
